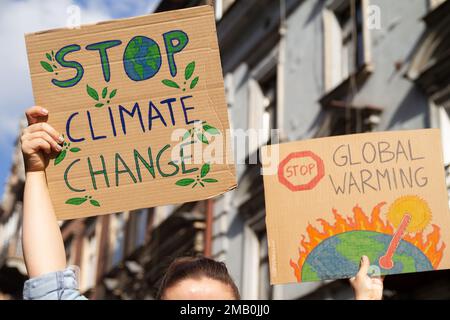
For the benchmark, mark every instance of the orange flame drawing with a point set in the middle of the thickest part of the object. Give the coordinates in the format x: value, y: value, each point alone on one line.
x: 429, y: 245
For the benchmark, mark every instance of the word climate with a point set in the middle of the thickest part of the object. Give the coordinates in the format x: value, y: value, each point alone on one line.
x: 167, y: 113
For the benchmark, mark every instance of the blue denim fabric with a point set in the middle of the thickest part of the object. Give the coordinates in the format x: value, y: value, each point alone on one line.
x: 60, y: 285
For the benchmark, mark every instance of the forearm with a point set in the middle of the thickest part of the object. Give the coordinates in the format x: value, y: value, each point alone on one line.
x: 43, y: 246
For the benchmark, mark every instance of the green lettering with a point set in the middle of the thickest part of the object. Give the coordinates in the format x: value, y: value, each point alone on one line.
x: 126, y: 170
x: 94, y: 173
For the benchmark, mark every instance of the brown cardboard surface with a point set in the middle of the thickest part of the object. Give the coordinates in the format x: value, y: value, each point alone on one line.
x: 377, y: 194
x: 100, y: 124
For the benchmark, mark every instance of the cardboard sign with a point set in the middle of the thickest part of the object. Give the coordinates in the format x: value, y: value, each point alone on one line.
x: 331, y: 200
x: 134, y: 98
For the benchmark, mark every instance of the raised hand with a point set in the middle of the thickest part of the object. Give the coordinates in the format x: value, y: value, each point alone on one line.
x: 39, y: 140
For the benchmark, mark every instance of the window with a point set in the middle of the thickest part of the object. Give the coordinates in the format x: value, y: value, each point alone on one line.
x: 269, y: 120
x: 264, y: 287
x: 91, y: 260
x: 133, y: 226
x: 263, y: 100
x: 256, y: 278
x: 70, y: 253
x: 444, y: 125
x: 262, y: 111
x: 346, y: 42
x: 7, y: 233
x: 430, y: 70
x: 435, y: 3
x: 221, y: 6
x: 89, y: 266
x: 141, y: 227
x: 118, y: 238
x: 441, y: 120
x: 340, y: 120
x: 229, y: 89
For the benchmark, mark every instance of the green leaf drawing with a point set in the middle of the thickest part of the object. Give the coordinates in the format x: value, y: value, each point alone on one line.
x: 201, y: 184
x: 46, y: 66
x: 205, y: 169
x: 53, y: 53
x: 104, y: 92
x: 99, y: 105
x: 210, y: 129
x: 75, y: 149
x: 194, y: 185
x: 113, y: 93
x: 76, y: 201
x: 170, y: 83
x: 189, y: 70
x: 184, y: 182
x: 95, y: 203
x: 49, y: 57
x: 60, y: 157
x: 187, y: 134
x: 92, y: 92
x: 194, y: 83
x: 202, y: 138
x: 209, y: 180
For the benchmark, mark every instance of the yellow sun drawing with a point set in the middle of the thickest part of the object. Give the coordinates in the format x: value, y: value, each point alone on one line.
x: 416, y: 207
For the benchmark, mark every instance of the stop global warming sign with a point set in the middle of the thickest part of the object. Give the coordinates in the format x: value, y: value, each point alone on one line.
x: 331, y: 200
x: 142, y: 107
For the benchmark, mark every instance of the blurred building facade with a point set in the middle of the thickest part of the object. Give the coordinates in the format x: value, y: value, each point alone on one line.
x: 310, y: 68
x: 12, y: 268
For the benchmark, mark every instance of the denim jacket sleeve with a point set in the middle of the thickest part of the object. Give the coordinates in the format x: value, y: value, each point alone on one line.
x: 60, y: 285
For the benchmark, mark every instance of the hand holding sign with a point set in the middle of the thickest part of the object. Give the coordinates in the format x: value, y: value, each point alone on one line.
x: 365, y: 286
x: 335, y: 199
x: 142, y: 110
x: 39, y: 137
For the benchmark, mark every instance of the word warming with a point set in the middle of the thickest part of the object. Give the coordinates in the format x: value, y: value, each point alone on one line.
x: 335, y: 199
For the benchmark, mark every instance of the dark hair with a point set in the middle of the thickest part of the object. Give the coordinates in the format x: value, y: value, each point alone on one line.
x: 196, y: 268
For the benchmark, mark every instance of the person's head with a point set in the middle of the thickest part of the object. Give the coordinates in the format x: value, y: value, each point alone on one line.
x: 197, y: 278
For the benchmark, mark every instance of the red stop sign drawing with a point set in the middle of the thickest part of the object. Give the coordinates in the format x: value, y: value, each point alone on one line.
x: 301, y: 170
